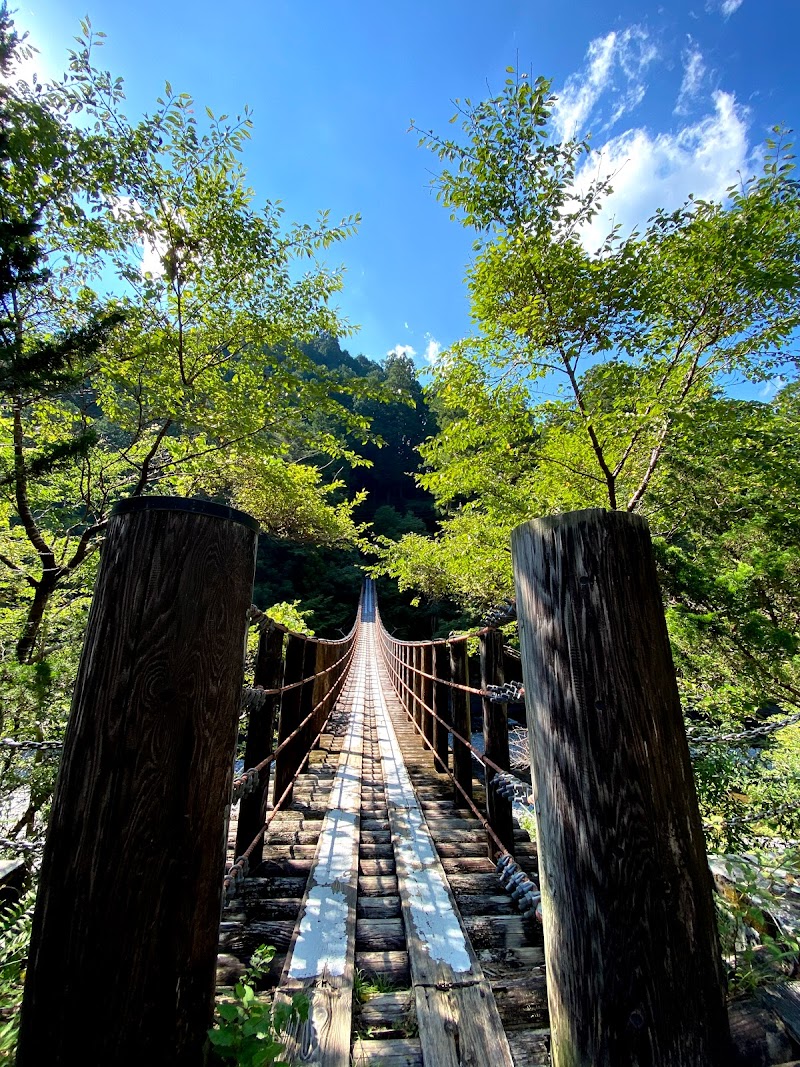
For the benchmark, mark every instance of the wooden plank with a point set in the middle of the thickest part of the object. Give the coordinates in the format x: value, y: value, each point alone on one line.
x: 378, y: 907
x: 531, y: 1048
x: 457, y: 1016
x: 321, y: 962
x: 377, y: 885
x: 380, y: 933
x: 386, y: 1008
x: 394, y: 1053
x: 460, y: 1025
x: 390, y: 965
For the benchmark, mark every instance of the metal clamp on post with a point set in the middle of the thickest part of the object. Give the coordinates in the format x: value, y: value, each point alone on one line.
x: 507, y: 693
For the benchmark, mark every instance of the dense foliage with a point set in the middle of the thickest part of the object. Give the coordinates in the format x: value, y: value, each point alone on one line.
x: 153, y: 317
x: 595, y: 379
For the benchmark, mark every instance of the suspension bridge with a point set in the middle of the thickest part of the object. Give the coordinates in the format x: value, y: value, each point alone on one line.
x: 370, y: 835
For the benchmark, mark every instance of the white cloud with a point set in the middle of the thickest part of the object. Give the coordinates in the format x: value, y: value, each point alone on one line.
x: 153, y: 246
x: 660, y: 170
x: 432, y: 350
x: 726, y: 7
x: 769, y: 389
x: 694, y: 72
x: 401, y: 350
x: 614, y: 63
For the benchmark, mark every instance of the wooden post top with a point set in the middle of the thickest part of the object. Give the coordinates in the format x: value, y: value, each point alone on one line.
x: 134, y: 504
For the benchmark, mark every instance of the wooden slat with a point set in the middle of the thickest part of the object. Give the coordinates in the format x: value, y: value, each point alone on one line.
x: 395, y: 1053
x: 457, y: 1016
x: 321, y: 962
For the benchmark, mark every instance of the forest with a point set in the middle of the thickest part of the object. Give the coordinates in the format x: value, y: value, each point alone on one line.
x: 166, y: 330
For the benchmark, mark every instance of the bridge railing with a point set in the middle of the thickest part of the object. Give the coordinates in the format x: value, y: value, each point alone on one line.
x: 432, y: 682
x: 296, y: 681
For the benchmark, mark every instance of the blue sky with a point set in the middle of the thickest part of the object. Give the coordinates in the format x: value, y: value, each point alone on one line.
x: 677, y: 98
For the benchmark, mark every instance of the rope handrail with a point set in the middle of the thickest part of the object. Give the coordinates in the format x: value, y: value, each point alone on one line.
x: 251, y: 778
x: 247, y: 775
x: 239, y: 870
x: 475, y: 810
x: 278, y: 690
x: 453, y: 639
x: 480, y: 756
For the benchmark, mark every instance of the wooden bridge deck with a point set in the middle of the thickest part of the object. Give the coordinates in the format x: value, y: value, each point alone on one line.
x: 377, y: 891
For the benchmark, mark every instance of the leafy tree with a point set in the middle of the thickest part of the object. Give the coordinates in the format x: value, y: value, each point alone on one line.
x: 188, y: 378
x: 637, y: 331
x: 193, y: 382
x: 629, y: 343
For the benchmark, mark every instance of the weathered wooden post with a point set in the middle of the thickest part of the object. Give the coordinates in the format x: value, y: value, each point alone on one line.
x: 405, y: 695
x: 462, y: 723
x: 495, y: 741
x: 260, y: 732
x: 427, y: 693
x: 441, y: 705
x: 131, y: 882
x: 287, y: 762
x: 306, y: 736
x: 417, y: 685
x: 633, y: 963
x: 323, y: 683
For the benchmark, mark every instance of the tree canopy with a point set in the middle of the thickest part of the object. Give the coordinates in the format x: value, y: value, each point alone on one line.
x: 597, y: 377
x: 186, y: 374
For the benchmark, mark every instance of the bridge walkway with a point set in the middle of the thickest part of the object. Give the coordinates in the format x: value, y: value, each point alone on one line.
x: 377, y: 891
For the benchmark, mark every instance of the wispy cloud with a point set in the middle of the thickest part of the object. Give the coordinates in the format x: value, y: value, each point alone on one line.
x: 660, y: 170
x: 615, y: 64
x: 694, y: 72
x: 402, y: 350
x: 770, y: 389
x: 726, y: 7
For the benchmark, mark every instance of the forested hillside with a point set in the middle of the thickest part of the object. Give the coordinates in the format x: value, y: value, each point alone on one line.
x: 325, y: 580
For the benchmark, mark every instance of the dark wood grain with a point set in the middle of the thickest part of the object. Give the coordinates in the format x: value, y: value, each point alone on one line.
x: 129, y: 902
x: 495, y: 741
x: 462, y: 722
x: 633, y: 962
x: 259, y: 744
x: 305, y: 738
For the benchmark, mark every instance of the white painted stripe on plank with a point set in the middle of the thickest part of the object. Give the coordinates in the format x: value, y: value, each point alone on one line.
x: 320, y: 947
x: 432, y: 914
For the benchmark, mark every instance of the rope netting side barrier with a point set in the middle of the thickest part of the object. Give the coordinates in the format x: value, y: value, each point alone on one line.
x: 430, y: 679
x: 297, y: 680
